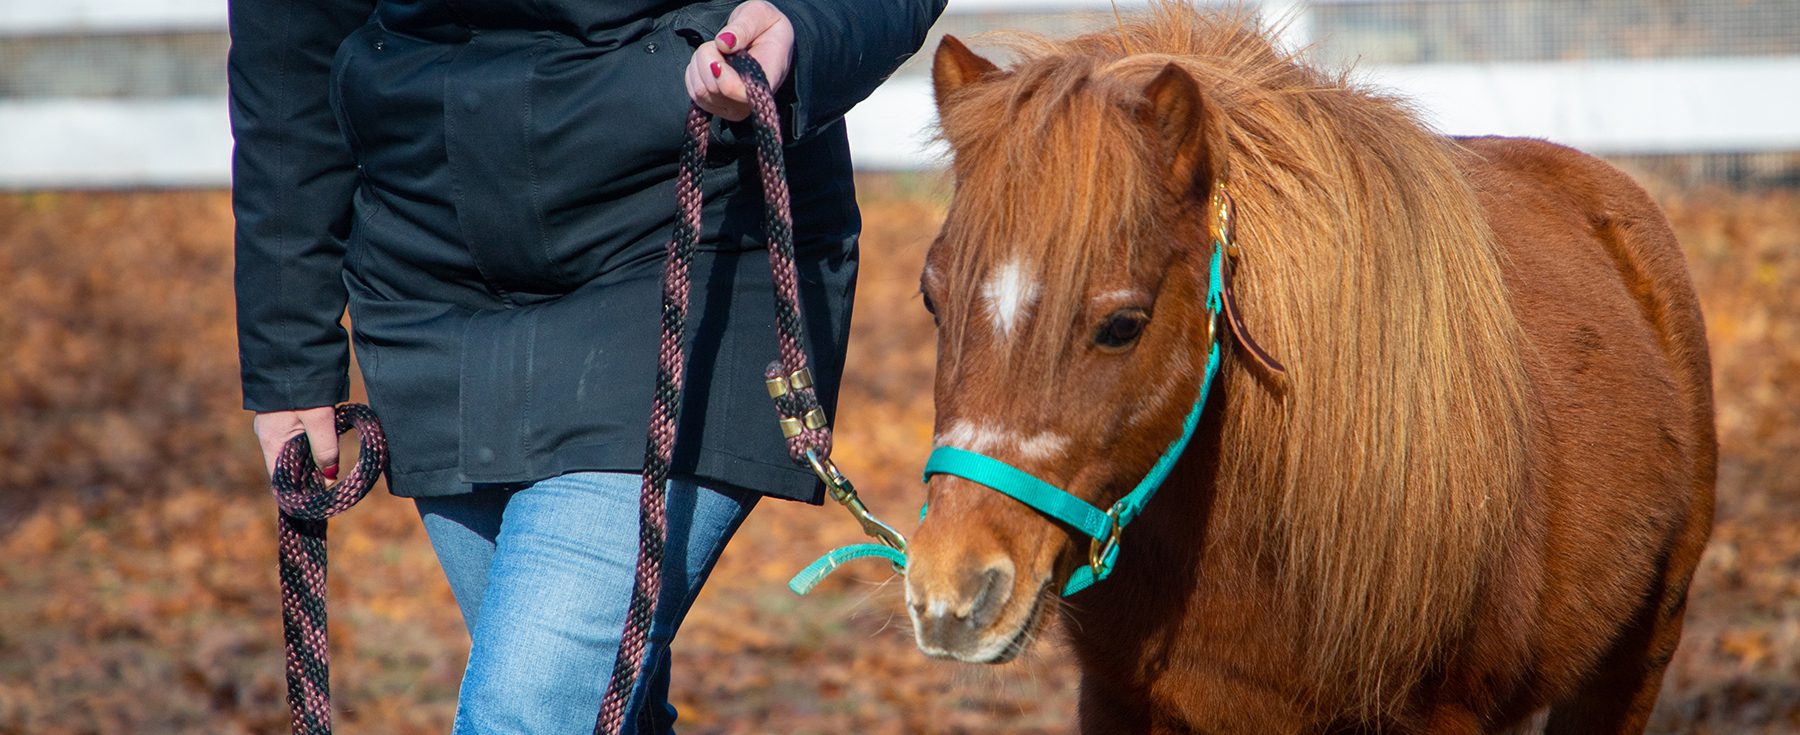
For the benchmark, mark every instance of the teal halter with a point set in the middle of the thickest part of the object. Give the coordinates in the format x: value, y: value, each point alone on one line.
x: 1103, y: 526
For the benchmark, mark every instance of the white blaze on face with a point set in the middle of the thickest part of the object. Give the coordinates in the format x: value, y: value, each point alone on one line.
x: 1042, y: 445
x: 991, y: 440
x: 973, y: 437
x: 1010, y: 293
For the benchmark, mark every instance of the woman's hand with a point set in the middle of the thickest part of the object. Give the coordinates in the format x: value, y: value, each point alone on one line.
x: 274, y: 429
x: 756, y: 28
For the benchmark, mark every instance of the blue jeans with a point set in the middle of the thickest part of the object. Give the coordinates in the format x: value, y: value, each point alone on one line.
x: 543, y: 574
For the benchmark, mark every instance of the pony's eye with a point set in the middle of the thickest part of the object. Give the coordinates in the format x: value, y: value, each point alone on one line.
x: 1122, y: 328
x: 930, y: 308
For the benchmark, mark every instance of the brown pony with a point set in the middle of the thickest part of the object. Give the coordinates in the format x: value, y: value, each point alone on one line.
x: 1479, y: 489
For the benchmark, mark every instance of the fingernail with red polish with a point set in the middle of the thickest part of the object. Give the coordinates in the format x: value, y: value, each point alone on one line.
x: 728, y: 40
x: 715, y: 69
x: 330, y: 473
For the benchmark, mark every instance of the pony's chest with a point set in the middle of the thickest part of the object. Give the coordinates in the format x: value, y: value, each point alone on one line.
x: 1196, y: 665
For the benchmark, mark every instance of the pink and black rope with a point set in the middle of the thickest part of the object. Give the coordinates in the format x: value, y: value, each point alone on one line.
x: 666, y: 401
x: 778, y: 227
x: 306, y: 501
x: 659, y: 444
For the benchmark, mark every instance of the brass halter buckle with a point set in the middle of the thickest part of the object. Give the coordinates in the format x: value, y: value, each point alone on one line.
x: 839, y: 488
x: 1223, y: 211
x: 1098, y: 551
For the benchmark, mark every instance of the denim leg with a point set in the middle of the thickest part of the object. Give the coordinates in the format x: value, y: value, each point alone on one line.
x: 711, y: 518
x: 558, y: 587
x: 462, y: 530
x: 650, y: 700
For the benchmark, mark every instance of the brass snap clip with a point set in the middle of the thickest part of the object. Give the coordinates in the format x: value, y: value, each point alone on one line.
x: 839, y: 488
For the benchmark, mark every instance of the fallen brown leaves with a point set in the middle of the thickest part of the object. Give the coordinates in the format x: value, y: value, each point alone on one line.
x: 137, y: 587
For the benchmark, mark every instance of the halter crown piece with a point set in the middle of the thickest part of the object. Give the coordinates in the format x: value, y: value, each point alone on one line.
x: 1104, y: 526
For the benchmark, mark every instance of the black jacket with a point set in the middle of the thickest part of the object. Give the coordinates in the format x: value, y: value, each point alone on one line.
x: 489, y: 185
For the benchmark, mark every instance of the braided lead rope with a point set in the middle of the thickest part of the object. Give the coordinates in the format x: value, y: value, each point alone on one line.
x: 659, y: 446
x: 306, y: 501
x: 778, y: 228
x: 666, y: 401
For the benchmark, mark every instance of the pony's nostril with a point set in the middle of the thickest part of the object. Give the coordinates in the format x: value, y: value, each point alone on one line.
x: 955, y: 622
x: 990, y: 597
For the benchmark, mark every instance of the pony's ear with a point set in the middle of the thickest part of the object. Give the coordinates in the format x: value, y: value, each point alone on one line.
x: 1177, y: 115
x: 954, y: 67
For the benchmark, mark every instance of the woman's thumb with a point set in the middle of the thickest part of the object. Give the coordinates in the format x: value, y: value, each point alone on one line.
x: 321, y: 432
x: 746, y: 23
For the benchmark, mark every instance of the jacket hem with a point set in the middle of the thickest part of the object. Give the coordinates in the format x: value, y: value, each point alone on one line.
x: 706, y: 466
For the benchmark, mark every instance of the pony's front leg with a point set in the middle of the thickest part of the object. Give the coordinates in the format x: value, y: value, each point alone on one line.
x: 1108, y: 709
x: 1620, y: 697
x: 1185, y: 707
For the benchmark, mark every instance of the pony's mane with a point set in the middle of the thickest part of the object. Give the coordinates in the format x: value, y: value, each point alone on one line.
x: 1380, y: 478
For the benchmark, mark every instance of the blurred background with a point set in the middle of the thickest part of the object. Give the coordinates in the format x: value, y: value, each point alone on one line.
x: 137, y: 584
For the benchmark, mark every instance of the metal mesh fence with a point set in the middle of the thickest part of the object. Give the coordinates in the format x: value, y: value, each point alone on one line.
x: 1365, y: 33
x: 1552, y: 30
x: 1341, y: 32
x: 115, y: 66
x: 190, y: 63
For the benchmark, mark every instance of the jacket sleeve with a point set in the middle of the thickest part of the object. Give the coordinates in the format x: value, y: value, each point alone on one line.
x: 292, y: 183
x: 844, y: 49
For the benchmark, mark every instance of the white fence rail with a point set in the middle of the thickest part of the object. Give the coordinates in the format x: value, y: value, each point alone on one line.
x: 114, y: 144
x: 1741, y: 104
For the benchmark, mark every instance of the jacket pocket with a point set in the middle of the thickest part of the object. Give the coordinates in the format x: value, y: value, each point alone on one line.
x: 340, y: 62
x: 606, y: 132
x: 366, y: 207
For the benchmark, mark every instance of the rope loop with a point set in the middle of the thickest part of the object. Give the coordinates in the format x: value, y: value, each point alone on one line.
x: 306, y: 499
x: 300, y: 488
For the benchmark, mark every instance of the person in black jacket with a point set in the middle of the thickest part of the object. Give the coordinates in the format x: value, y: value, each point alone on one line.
x: 488, y: 187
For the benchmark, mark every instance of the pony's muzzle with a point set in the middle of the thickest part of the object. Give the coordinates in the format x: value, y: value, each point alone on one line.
x: 950, y: 620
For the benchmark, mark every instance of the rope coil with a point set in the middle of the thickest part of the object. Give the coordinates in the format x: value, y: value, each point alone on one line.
x: 306, y: 501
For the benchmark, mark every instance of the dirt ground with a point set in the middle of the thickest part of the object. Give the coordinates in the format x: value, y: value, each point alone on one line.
x: 137, y: 583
